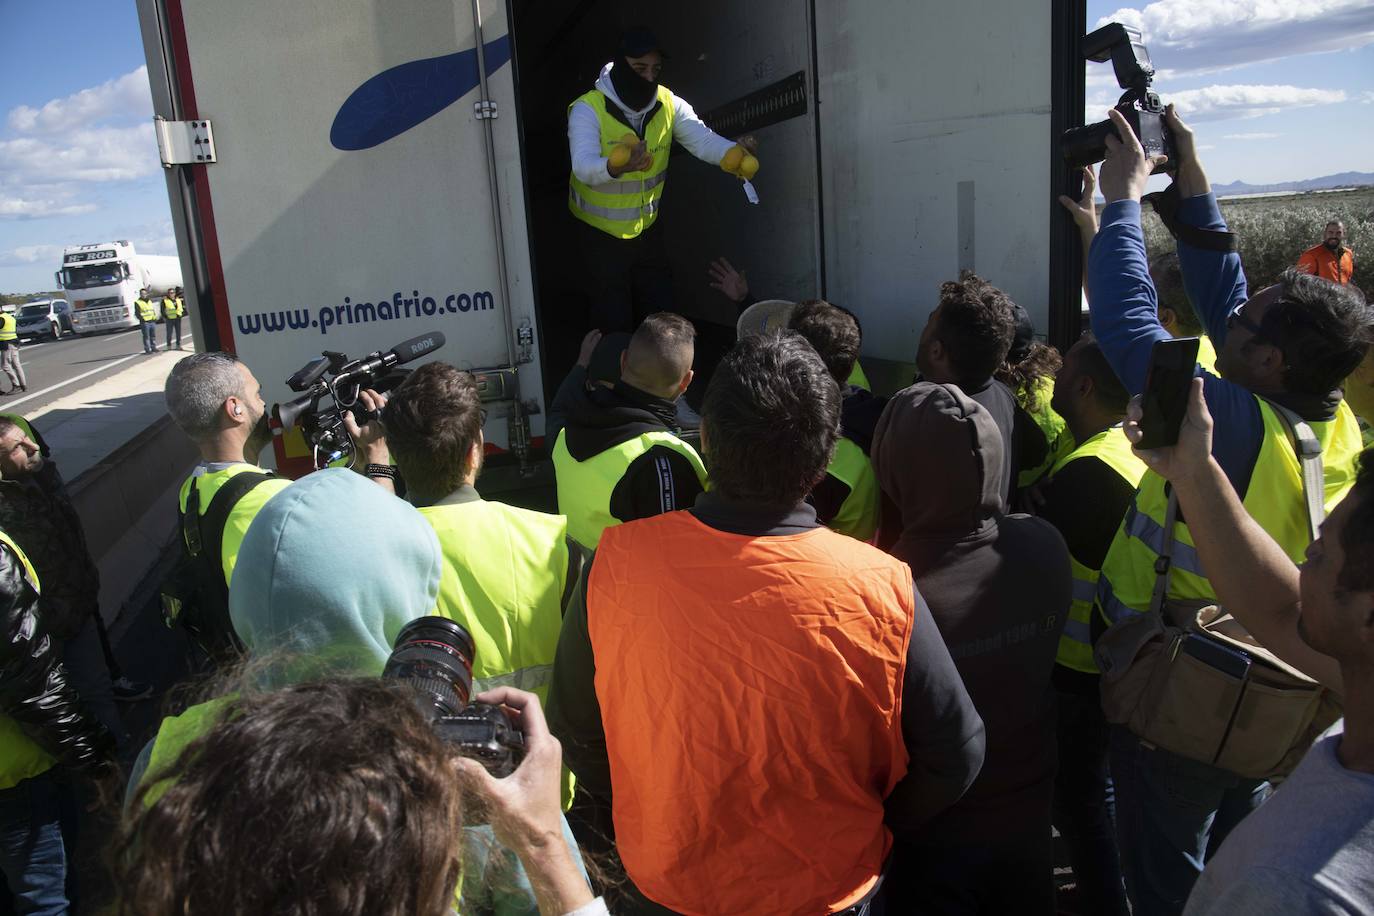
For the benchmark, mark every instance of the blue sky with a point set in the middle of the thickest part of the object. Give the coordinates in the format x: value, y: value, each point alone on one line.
x: 1278, y: 90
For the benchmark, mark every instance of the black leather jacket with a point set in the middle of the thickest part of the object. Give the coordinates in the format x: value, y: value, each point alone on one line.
x: 33, y: 684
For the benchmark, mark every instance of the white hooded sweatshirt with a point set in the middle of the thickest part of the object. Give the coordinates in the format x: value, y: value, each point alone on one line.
x: 584, y: 133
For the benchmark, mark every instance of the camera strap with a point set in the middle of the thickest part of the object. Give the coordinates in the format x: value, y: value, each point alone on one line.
x: 1166, y: 204
x: 1309, y: 451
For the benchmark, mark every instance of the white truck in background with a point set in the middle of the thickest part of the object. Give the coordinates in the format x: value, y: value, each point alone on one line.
x: 102, y: 281
x: 344, y: 175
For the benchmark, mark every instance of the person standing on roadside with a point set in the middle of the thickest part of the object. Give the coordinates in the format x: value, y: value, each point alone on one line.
x: 147, y: 318
x: 173, y: 307
x: 9, y: 353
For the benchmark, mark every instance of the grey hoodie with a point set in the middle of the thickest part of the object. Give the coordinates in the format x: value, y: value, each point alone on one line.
x: 998, y: 587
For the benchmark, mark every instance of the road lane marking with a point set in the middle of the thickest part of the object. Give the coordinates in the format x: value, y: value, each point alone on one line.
x: 6, y: 404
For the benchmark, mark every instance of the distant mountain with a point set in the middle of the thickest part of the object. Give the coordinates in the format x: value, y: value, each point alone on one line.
x: 1326, y: 182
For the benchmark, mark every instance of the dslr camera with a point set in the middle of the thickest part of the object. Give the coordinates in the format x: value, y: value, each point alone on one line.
x: 1143, y: 110
x: 434, y: 655
x: 335, y: 377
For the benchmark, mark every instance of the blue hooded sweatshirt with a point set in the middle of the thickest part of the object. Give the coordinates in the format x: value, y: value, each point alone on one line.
x: 329, y: 572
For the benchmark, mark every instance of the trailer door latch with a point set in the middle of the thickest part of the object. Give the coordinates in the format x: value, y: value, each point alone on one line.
x: 485, y: 109
x: 184, y: 142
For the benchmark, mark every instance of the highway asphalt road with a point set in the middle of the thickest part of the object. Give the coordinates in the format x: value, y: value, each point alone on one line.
x: 56, y: 368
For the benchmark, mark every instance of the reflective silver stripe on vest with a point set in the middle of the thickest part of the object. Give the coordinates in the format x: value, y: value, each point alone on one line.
x: 623, y: 214
x: 531, y: 679
x: 1083, y: 590
x: 1079, y: 631
x: 631, y: 187
x: 1151, y: 534
x: 1114, y: 609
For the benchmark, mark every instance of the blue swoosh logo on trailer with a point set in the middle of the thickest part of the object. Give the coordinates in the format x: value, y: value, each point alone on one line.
x: 395, y: 100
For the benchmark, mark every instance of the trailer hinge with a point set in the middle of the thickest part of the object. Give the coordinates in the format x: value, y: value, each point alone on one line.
x: 184, y: 142
x: 485, y: 109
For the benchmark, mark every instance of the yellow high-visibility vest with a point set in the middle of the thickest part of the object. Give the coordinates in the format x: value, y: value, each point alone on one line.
x: 243, y: 513
x: 858, y: 515
x: 503, y: 579
x: 585, y: 487
x: 625, y: 206
x: 20, y: 756
x: 1113, y: 449
x: 1274, y: 499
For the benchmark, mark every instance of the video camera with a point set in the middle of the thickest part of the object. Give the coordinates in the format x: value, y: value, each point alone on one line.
x: 1143, y: 110
x: 434, y: 655
x: 323, y: 427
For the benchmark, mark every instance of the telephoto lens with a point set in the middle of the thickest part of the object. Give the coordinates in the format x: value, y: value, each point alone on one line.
x: 434, y: 655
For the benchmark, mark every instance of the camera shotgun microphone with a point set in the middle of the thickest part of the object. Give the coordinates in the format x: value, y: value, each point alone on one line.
x: 416, y: 347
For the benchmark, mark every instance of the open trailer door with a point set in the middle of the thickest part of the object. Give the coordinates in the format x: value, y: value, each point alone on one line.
x: 365, y: 186
x: 900, y: 144
x: 939, y: 130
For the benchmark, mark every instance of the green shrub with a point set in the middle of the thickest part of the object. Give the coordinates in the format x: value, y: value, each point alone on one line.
x: 1275, y: 231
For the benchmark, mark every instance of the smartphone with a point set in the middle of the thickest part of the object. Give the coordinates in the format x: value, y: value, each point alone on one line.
x: 1165, y: 400
x: 1216, y: 655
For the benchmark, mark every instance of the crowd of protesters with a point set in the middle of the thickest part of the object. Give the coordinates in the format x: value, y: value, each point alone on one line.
x: 813, y: 650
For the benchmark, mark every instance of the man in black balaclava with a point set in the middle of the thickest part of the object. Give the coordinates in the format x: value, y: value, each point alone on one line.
x: 619, y: 135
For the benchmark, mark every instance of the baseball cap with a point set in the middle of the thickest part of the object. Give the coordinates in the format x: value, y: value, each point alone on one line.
x: 638, y: 41
x: 764, y: 316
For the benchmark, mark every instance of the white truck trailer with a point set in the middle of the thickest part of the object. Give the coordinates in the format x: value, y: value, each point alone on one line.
x: 345, y: 174
x: 102, y: 281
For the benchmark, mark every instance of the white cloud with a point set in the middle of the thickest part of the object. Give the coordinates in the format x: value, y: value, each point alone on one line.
x: 25, y: 255
x: 121, y: 98
x: 19, y: 207
x: 90, y: 154
x: 1258, y: 135
x: 1219, y: 103
x: 98, y: 135
x: 1208, y: 35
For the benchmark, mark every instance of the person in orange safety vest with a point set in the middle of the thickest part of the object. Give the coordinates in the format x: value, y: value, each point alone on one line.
x: 1330, y: 260
x: 775, y: 701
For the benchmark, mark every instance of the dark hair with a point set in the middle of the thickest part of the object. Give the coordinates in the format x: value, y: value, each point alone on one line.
x: 1357, y: 538
x: 833, y: 333
x: 1107, y: 388
x: 1167, y: 276
x: 432, y: 419
x: 770, y: 417
x: 1043, y: 361
x: 1323, y: 329
x: 334, y: 798
x: 976, y: 327
x: 661, y: 350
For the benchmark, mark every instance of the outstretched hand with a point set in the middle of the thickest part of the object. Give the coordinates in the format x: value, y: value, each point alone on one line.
x: 729, y: 281
x: 1194, y: 448
x: 1083, y: 210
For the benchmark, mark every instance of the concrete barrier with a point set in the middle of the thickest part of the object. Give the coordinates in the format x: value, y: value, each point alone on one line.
x: 127, y: 503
